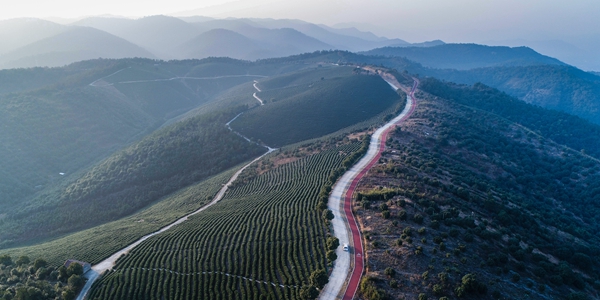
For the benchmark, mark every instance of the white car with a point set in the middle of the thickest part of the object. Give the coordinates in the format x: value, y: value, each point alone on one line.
x: 346, y: 248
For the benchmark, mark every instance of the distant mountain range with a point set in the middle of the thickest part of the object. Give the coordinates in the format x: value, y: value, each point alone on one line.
x: 467, y: 56
x: 35, y: 42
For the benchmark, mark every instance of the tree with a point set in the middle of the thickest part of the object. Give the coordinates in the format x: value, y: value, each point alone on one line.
x: 333, y: 243
x: 331, y: 256
x: 418, y: 218
x: 74, y: 269
x: 75, y: 282
x: 26, y: 293
x: 6, y: 260
x: 328, y: 214
x: 68, y: 294
x: 309, y: 292
x: 438, y: 289
x: 62, y: 274
x: 385, y: 214
x: 23, y: 260
x: 470, y: 285
x: 402, y: 215
x: 389, y: 272
x: 318, y: 278
x: 40, y: 263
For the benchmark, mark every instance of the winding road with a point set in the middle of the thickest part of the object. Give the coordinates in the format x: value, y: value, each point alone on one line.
x: 345, y: 226
x: 107, y: 264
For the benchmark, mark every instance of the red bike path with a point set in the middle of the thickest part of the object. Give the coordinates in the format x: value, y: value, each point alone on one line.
x: 357, y: 246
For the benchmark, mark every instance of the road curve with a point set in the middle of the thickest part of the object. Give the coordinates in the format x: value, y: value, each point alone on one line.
x: 107, y: 264
x: 345, y: 226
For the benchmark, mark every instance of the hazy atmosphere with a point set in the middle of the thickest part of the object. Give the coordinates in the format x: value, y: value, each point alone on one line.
x: 568, y: 30
x: 300, y: 150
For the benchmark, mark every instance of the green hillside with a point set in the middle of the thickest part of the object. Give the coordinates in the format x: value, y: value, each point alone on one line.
x: 560, y: 127
x: 264, y: 239
x: 168, y: 160
x: 467, y: 56
x: 563, y: 88
x: 71, y: 45
x: 62, y: 120
x: 480, y: 207
x: 553, y: 86
x: 310, y: 104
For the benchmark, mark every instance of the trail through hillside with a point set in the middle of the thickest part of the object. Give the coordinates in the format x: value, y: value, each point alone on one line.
x: 108, y: 263
x: 100, y: 82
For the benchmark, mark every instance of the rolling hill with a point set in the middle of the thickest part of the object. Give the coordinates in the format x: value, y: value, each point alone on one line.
x: 310, y: 104
x: 16, y: 33
x: 68, y: 124
x: 563, y: 88
x: 72, y: 45
x: 102, y: 152
x: 467, y: 56
x: 223, y: 42
x: 157, y: 34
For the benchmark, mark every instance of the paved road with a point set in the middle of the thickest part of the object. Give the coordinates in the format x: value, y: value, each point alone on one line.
x: 255, y: 96
x: 345, y: 226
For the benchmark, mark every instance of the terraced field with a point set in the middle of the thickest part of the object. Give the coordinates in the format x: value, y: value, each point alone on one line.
x: 263, y: 240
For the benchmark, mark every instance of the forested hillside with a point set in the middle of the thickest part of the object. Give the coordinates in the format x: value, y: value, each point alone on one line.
x: 61, y: 121
x: 563, y: 88
x: 58, y: 121
x: 468, y: 203
x: 561, y: 127
x: 467, y: 56
x: 164, y: 162
x: 553, y: 86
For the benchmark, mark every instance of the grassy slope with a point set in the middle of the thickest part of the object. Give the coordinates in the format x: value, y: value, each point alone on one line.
x: 509, y: 205
x: 308, y: 106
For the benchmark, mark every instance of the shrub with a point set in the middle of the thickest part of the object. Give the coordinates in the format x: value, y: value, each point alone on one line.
x: 402, y: 215
x: 385, y: 214
x: 331, y: 256
x: 418, y: 218
x: 438, y: 289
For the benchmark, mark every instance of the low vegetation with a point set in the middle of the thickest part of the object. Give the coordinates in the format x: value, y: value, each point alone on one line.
x: 466, y: 204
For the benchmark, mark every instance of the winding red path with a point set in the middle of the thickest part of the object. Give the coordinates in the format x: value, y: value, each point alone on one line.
x: 357, y: 246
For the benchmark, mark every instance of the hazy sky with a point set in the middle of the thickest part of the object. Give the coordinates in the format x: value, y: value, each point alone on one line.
x: 413, y: 20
